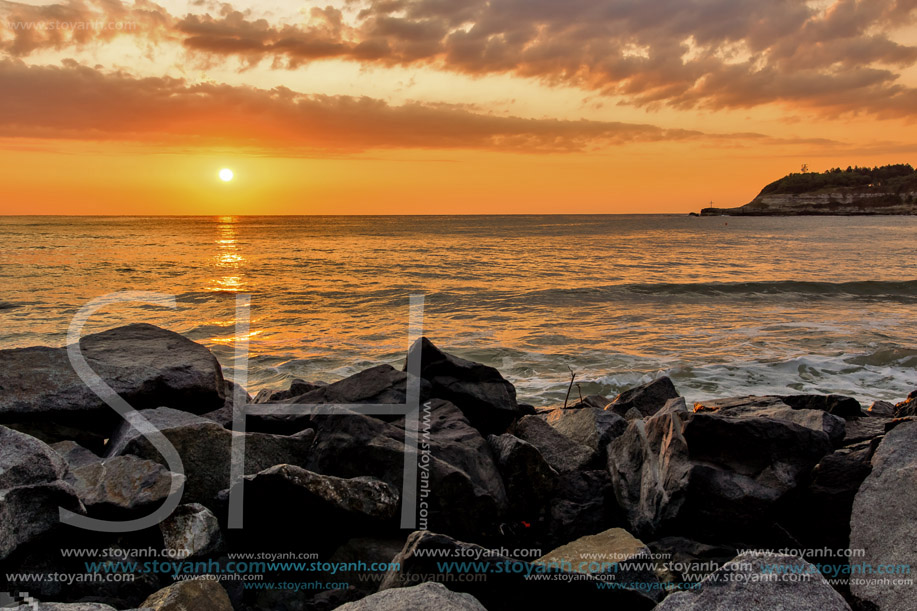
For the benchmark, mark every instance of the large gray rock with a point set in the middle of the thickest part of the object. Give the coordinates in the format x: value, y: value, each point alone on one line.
x: 486, y: 398
x: 205, y: 447
x: 31, y: 490
x: 189, y: 595
x: 749, y: 582
x: 562, y: 453
x: 908, y: 407
x: 774, y: 407
x: 191, y: 530
x: 425, y: 596
x: 528, y: 478
x: 147, y: 366
x: 381, y: 384
x: 505, y: 585
x: 847, y: 408
x: 588, y: 426
x: 883, y: 520
x: 709, y: 476
x: 466, y: 495
x: 121, y: 483
x: 284, y: 495
x: 646, y: 398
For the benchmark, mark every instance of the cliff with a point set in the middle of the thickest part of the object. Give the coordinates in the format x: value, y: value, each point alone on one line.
x: 890, y: 190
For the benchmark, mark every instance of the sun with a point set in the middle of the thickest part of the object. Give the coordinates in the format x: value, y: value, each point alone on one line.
x: 226, y: 174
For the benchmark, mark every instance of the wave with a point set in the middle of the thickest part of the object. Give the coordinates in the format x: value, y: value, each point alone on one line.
x: 5, y: 305
x: 866, y: 289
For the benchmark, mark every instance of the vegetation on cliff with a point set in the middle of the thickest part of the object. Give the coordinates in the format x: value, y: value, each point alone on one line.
x: 897, y: 178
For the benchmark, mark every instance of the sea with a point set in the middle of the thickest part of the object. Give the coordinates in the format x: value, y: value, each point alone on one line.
x: 725, y: 306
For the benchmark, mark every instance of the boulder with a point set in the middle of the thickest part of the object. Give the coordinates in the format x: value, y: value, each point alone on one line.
x: 506, y: 585
x: 191, y: 530
x: 31, y: 490
x: 562, y: 453
x: 365, y: 550
x: 588, y: 426
x: 205, y: 446
x: 646, y: 398
x: 709, y: 476
x: 279, y: 497
x: 225, y: 415
x: 529, y: 480
x: 381, y: 384
x: 614, y: 554
x: 772, y: 407
x: 583, y: 504
x: 122, y: 484
x: 684, y: 559
x: 882, y: 408
x: 147, y: 366
x: 187, y: 595
x: 678, y: 405
x: 908, y: 407
x: 882, y: 522
x: 466, y: 494
x: 847, y: 408
x: 597, y: 401
x: 867, y: 428
x: 297, y: 387
x: 749, y: 582
x: 486, y: 398
x: 425, y: 596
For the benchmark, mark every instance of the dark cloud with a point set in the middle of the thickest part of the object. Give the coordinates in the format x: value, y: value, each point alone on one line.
x: 681, y: 53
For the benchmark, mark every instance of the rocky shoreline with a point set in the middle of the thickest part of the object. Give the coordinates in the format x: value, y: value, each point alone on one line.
x: 837, y: 203
x: 639, y: 501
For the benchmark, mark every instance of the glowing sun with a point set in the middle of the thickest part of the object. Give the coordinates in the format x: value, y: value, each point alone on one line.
x: 226, y: 174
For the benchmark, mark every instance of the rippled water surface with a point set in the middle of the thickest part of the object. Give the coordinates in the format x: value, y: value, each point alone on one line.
x: 723, y: 305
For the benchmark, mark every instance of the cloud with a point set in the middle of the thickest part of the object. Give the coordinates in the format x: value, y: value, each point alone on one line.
x: 75, y: 101
x: 680, y: 53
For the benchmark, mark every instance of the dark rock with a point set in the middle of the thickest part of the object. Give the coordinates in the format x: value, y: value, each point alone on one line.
x: 381, y: 384
x: 505, y: 586
x: 528, y: 478
x: 205, y: 446
x: 684, y: 558
x: 827, y: 501
x: 68, y: 606
x: 297, y: 387
x: 280, y: 496
x: 147, y: 366
x: 847, y: 408
x: 28, y: 512
x: 583, y: 504
x: 882, y: 522
x: 187, y: 595
x: 597, y: 401
x: 31, y: 490
x: 121, y: 484
x: 425, y: 596
x: 674, y: 406
x: 749, y: 583
x: 484, y: 396
x: 561, y: 452
x: 589, y: 426
x: 467, y: 497
x: 226, y: 414
x: 865, y: 429
x: 191, y: 530
x: 908, y: 407
x: 646, y: 398
x: 773, y: 407
x: 882, y: 408
x: 367, y: 550
x: 709, y: 476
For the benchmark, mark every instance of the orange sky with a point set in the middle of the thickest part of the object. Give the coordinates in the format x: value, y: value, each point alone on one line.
x: 441, y: 107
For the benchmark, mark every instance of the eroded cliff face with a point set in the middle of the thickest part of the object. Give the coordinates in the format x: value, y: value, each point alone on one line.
x: 839, y: 203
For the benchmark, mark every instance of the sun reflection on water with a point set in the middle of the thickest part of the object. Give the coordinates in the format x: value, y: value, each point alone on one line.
x: 227, y: 259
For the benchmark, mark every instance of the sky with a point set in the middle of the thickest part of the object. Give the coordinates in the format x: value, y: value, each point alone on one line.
x: 443, y: 106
